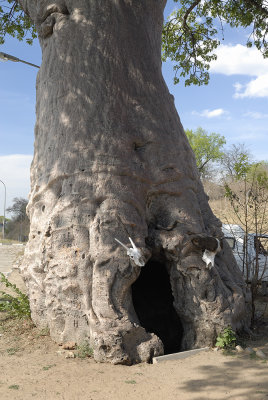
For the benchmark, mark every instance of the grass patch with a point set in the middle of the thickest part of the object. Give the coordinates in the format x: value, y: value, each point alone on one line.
x: 12, y: 351
x: 9, y: 241
x: 84, y: 350
x: 14, y: 387
x: 47, y: 367
x: 132, y: 382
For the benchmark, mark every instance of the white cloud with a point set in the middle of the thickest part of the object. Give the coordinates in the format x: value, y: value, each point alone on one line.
x: 255, y: 88
x: 15, y: 173
x: 238, y: 87
x: 255, y: 115
x: 241, y: 60
x: 210, y: 113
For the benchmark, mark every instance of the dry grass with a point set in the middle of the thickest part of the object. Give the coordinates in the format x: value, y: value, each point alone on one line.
x: 223, y: 209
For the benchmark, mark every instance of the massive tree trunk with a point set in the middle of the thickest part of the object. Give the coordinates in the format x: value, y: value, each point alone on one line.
x: 112, y: 161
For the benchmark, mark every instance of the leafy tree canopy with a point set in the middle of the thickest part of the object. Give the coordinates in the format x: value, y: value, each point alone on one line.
x: 190, y: 35
x: 252, y: 172
x: 238, y: 165
x: 14, y: 22
x: 207, y: 147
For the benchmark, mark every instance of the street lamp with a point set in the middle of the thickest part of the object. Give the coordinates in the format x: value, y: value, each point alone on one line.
x: 8, y: 57
x: 4, y: 208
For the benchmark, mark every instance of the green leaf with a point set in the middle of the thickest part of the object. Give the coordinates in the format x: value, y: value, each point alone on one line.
x: 190, y: 34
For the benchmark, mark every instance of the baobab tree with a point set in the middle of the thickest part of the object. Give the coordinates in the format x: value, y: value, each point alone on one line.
x: 112, y: 161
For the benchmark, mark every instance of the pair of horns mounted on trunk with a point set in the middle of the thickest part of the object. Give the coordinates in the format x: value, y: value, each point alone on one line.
x: 209, y: 245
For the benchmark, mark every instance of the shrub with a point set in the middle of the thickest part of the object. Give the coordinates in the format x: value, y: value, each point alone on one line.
x: 17, y: 305
x: 226, y: 339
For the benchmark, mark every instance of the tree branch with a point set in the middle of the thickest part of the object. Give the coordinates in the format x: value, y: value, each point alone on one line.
x: 189, y: 10
x: 258, y: 6
x: 203, y: 165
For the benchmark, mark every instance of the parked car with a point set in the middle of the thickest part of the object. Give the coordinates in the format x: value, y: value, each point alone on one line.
x: 256, y: 244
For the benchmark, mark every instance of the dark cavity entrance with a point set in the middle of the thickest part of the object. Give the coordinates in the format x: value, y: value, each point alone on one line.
x: 153, y: 303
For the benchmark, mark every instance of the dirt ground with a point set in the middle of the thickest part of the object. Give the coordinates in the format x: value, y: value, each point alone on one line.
x: 32, y: 366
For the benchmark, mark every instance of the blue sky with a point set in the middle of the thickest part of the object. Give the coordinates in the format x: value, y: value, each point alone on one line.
x: 234, y: 104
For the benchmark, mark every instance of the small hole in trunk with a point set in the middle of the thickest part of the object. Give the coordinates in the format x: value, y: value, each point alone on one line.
x: 153, y: 302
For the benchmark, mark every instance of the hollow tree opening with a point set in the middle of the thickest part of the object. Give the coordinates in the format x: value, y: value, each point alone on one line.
x: 153, y: 303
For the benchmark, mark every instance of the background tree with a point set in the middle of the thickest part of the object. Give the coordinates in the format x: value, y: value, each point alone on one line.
x: 1, y: 225
x: 236, y: 155
x: 18, y: 226
x: 207, y: 147
x: 111, y: 162
x: 18, y: 209
x: 248, y: 197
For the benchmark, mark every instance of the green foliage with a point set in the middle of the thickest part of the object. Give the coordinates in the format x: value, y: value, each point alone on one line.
x: 227, y: 339
x: 84, y: 350
x: 190, y: 42
x: 255, y: 178
x: 234, y: 157
x: 207, y: 147
x: 16, y: 306
x: 2, y: 219
x: 14, y: 22
x: 191, y: 33
x: 15, y: 387
x: 13, y: 350
x: 258, y: 173
x: 242, y: 167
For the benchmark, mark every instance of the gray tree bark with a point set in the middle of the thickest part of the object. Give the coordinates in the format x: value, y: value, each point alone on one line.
x: 111, y: 160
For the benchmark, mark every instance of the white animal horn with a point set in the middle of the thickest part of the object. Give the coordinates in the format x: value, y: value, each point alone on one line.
x: 125, y: 247
x: 132, y: 244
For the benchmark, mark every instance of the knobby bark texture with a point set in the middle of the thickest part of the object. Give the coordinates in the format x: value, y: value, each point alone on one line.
x: 112, y: 161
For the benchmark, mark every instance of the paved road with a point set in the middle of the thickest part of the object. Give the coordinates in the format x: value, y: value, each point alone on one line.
x: 8, y: 255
